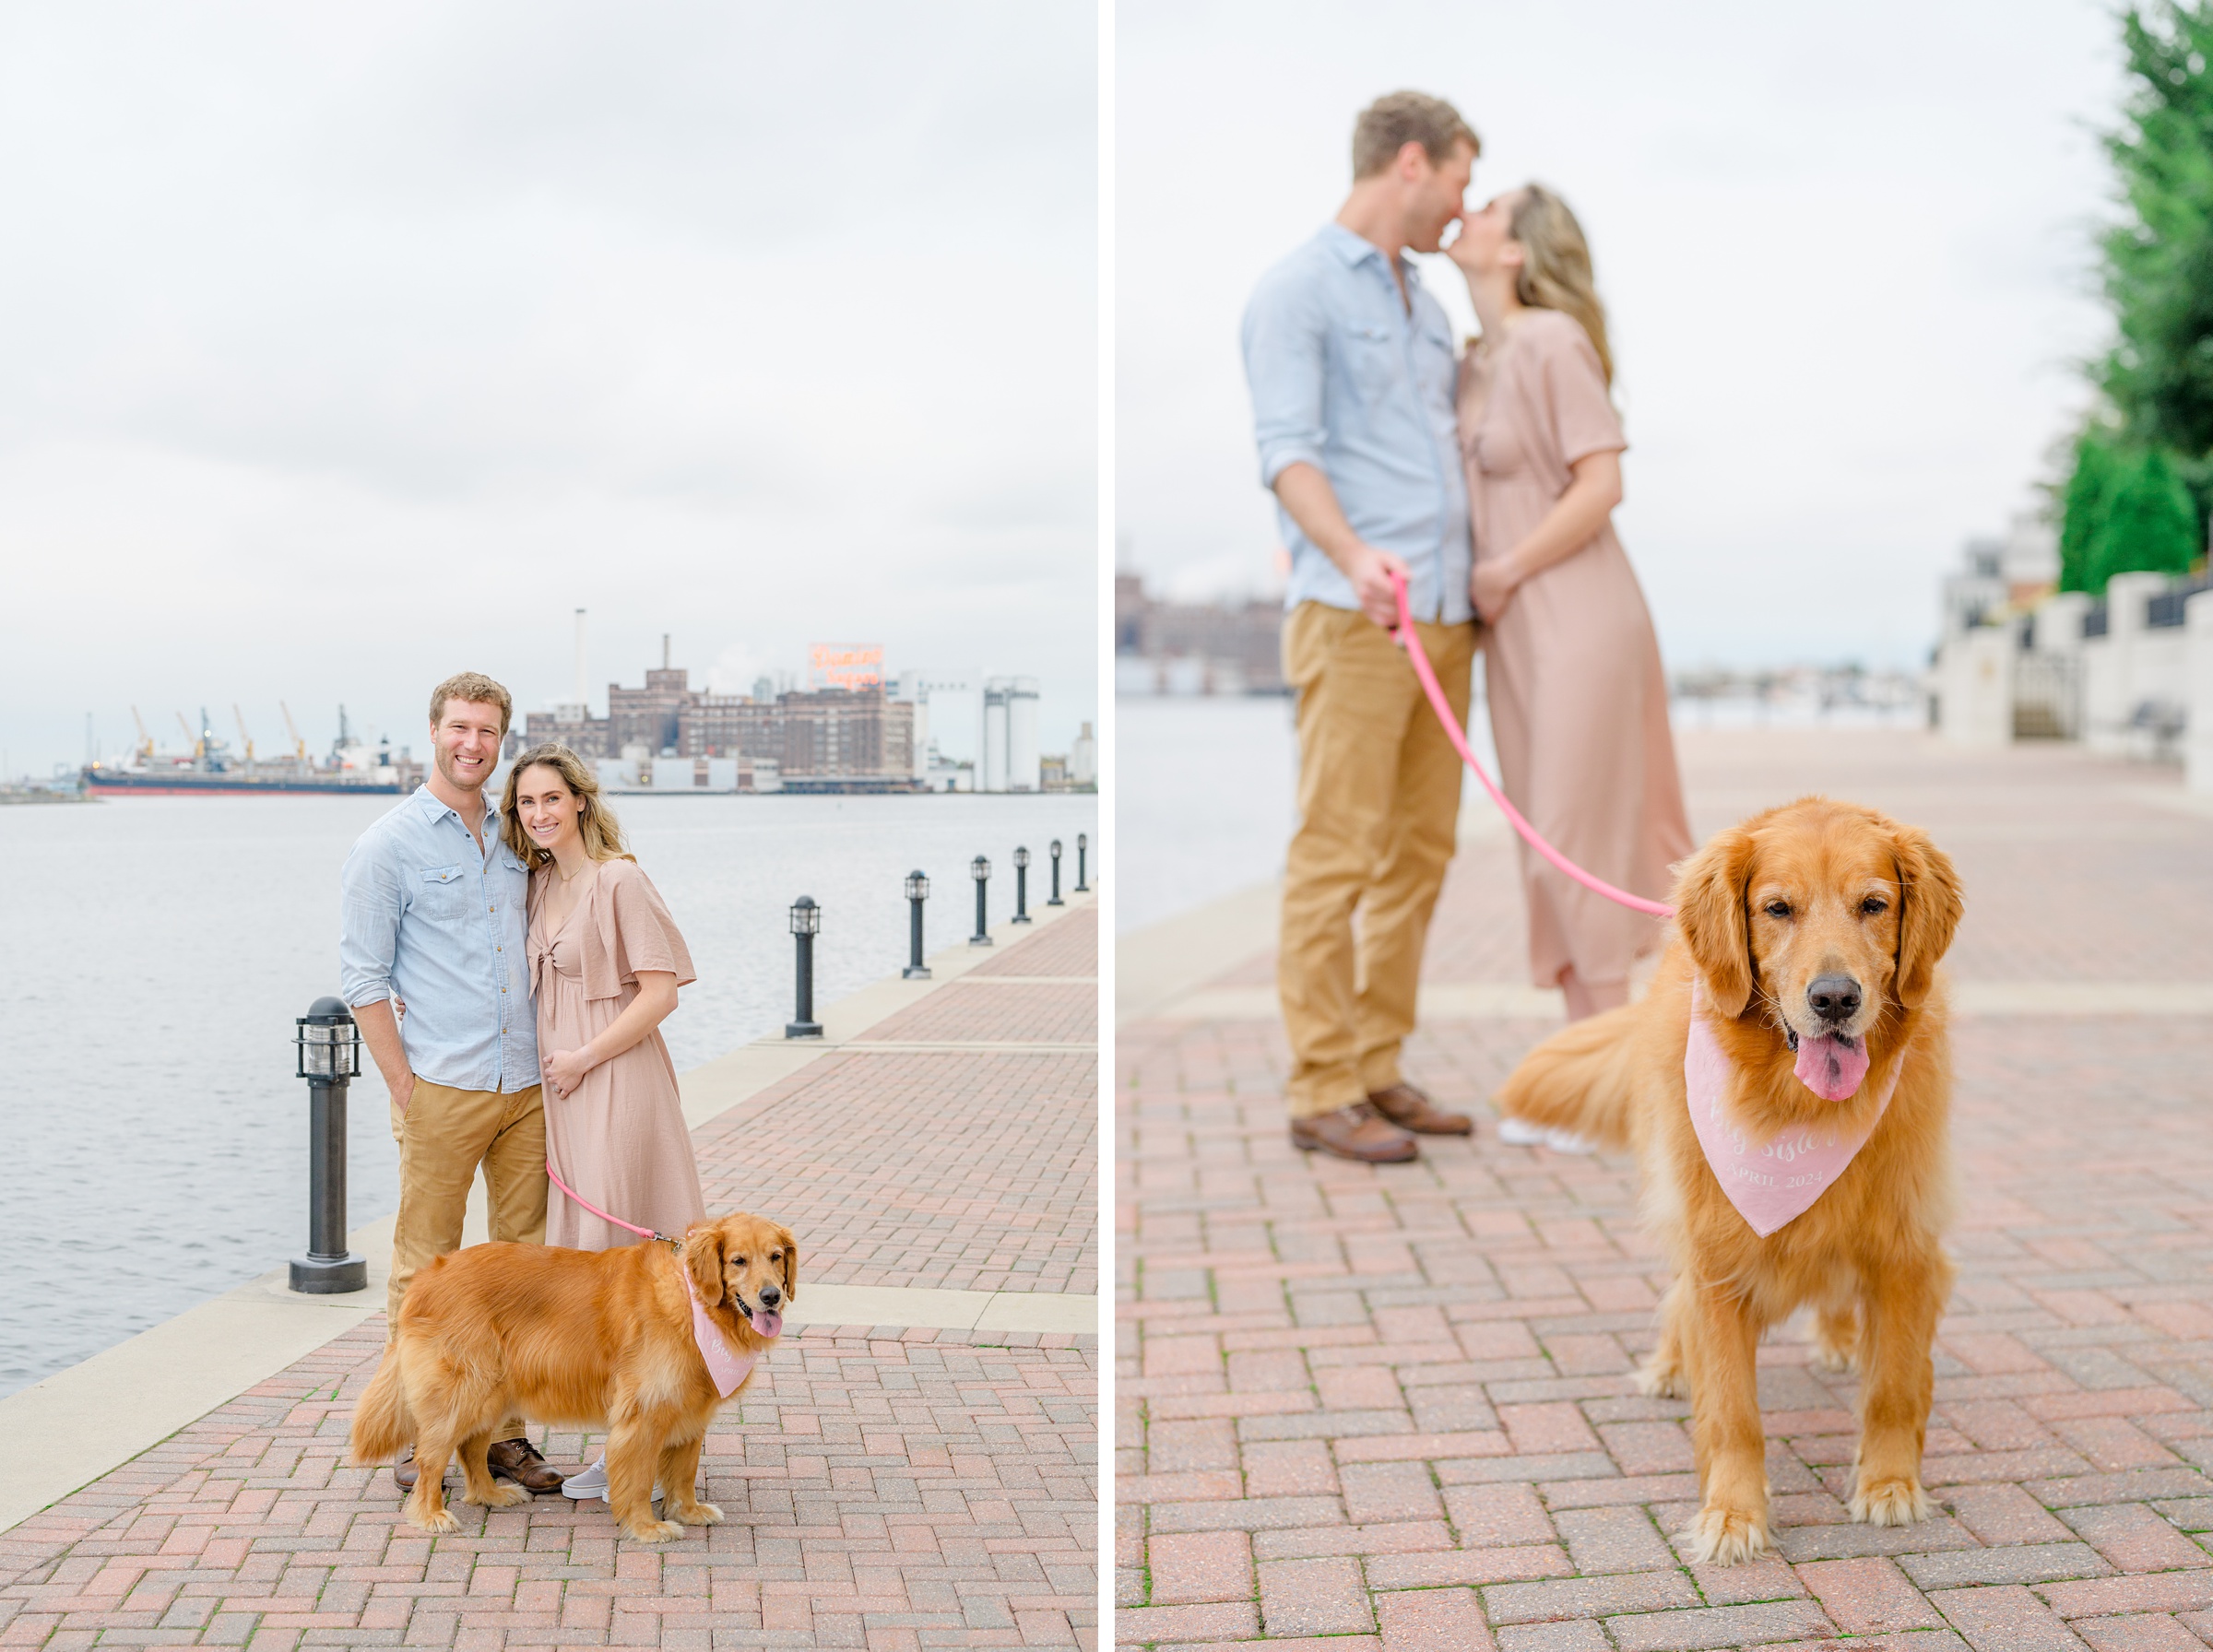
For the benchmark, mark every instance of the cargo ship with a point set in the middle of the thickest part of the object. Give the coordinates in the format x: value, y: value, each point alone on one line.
x: 212, y: 769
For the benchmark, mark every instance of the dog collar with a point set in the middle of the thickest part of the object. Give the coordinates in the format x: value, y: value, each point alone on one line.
x: 726, y: 1366
x: 1773, y: 1184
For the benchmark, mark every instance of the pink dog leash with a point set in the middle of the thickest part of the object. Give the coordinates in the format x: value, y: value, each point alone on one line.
x: 553, y: 1176
x: 1412, y: 642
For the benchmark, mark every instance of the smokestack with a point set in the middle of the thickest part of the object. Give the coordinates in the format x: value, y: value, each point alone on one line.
x: 584, y: 696
x: 664, y: 651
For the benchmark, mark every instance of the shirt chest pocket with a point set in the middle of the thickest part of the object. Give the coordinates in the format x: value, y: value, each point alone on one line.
x: 1437, y: 365
x: 1371, y: 361
x: 443, y: 892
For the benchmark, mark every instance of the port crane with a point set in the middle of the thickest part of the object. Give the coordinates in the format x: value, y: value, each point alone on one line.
x: 146, y: 740
x: 192, y: 741
x: 242, y: 734
x: 292, y: 728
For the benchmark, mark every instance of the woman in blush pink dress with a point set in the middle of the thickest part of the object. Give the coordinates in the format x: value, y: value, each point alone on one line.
x: 605, y: 961
x: 1579, y: 703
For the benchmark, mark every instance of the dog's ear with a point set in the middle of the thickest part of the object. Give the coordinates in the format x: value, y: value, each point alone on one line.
x: 1929, y: 905
x: 703, y: 1256
x: 1710, y: 911
x: 791, y: 1262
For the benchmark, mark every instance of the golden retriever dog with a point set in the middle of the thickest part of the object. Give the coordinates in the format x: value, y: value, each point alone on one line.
x: 584, y: 1339
x: 1810, y: 935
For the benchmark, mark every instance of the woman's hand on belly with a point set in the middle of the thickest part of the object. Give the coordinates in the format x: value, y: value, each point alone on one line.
x: 566, y: 1070
x: 1493, y: 584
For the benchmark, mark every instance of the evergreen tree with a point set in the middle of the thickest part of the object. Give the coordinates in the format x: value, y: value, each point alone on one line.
x: 2083, y: 510
x: 2159, y: 259
x: 2142, y: 488
x: 2150, y: 524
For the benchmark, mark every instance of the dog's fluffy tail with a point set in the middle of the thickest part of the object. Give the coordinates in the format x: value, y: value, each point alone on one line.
x: 1582, y: 1078
x: 381, y: 1423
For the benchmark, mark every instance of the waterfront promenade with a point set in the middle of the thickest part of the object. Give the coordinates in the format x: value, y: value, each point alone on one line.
x: 916, y: 1466
x: 1391, y: 1406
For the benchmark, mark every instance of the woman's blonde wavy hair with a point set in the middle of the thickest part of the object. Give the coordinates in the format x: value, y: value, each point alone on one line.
x: 1555, y: 269
x: 602, y: 835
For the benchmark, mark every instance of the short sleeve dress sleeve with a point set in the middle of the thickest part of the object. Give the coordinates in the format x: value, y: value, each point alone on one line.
x: 633, y: 932
x: 1583, y: 419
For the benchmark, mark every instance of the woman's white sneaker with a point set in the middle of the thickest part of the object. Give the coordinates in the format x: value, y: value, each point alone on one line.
x: 592, y: 1482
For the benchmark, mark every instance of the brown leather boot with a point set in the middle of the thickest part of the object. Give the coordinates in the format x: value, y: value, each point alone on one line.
x: 519, y: 1461
x: 1357, y: 1132
x: 1411, y: 1110
x: 404, y: 1472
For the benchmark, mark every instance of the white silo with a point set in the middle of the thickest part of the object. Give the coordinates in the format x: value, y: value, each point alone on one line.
x: 993, y: 766
x: 1024, y: 773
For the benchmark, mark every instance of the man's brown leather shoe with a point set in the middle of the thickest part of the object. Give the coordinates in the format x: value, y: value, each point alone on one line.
x: 1410, y: 1110
x: 518, y: 1460
x: 1355, y: 1132
x: 404, y: 1470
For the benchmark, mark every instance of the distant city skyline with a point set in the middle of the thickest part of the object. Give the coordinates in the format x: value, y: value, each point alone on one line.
x: 954, y: 727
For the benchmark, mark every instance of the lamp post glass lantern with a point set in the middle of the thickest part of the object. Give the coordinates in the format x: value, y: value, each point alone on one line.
x: 805, y: 922
x: 1083, y: 843
x: 1054, y: 850
x: 917, y: 891
x: 327, y: 1054
x: 1021, y: 886
x: 980, y: 869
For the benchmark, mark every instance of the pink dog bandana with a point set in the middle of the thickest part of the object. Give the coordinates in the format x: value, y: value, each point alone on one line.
x: 726, y: 1366
x: 1776, y: 1182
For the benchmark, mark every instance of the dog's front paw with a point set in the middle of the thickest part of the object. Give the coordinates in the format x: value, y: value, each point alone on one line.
x: 1890, y: 1502
x: 697, y: 1514
x: 1726, y: 1537
x: 501, y: 1496
x: 653, y: 1532
x: 439, y: 1520
x: 1657, y: 1379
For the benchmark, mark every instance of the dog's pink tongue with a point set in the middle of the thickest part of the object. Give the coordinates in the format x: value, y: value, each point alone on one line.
x: 771, y: 1323
x: 1832, y: 1067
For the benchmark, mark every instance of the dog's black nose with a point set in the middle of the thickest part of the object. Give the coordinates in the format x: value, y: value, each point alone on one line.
x: 1834, y: 998
x: 770, y: 1296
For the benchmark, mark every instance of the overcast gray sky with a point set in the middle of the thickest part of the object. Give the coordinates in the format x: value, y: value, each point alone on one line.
x: 345, y: 347
x: 1846, y: 251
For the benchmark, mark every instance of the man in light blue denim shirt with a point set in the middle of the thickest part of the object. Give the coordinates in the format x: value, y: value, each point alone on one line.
x: 433, y: 918
x: 1353, y: 372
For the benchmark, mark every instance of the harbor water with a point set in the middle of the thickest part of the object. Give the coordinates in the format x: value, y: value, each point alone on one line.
x: 158, y: 949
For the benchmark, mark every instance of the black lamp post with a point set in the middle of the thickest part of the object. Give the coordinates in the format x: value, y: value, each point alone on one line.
x: 329, y: 1047
x: 805, y: 922
x: 1056, y: 899
x: 1083, y: 843
x: 917, y: 891
x: 980, y: 869
x: 1021, y: 886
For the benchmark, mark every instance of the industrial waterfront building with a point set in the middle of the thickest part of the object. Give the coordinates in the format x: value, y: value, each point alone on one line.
x: 852, y: 729
x: 827, y: 740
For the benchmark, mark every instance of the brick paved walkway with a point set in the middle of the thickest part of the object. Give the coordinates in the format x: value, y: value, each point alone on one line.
x: 887, y: 1489
x: 1391, y: 1406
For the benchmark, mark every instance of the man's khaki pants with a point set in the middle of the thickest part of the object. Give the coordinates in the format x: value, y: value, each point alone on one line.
x: 1379, y: 800
x: 444, y: 1136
